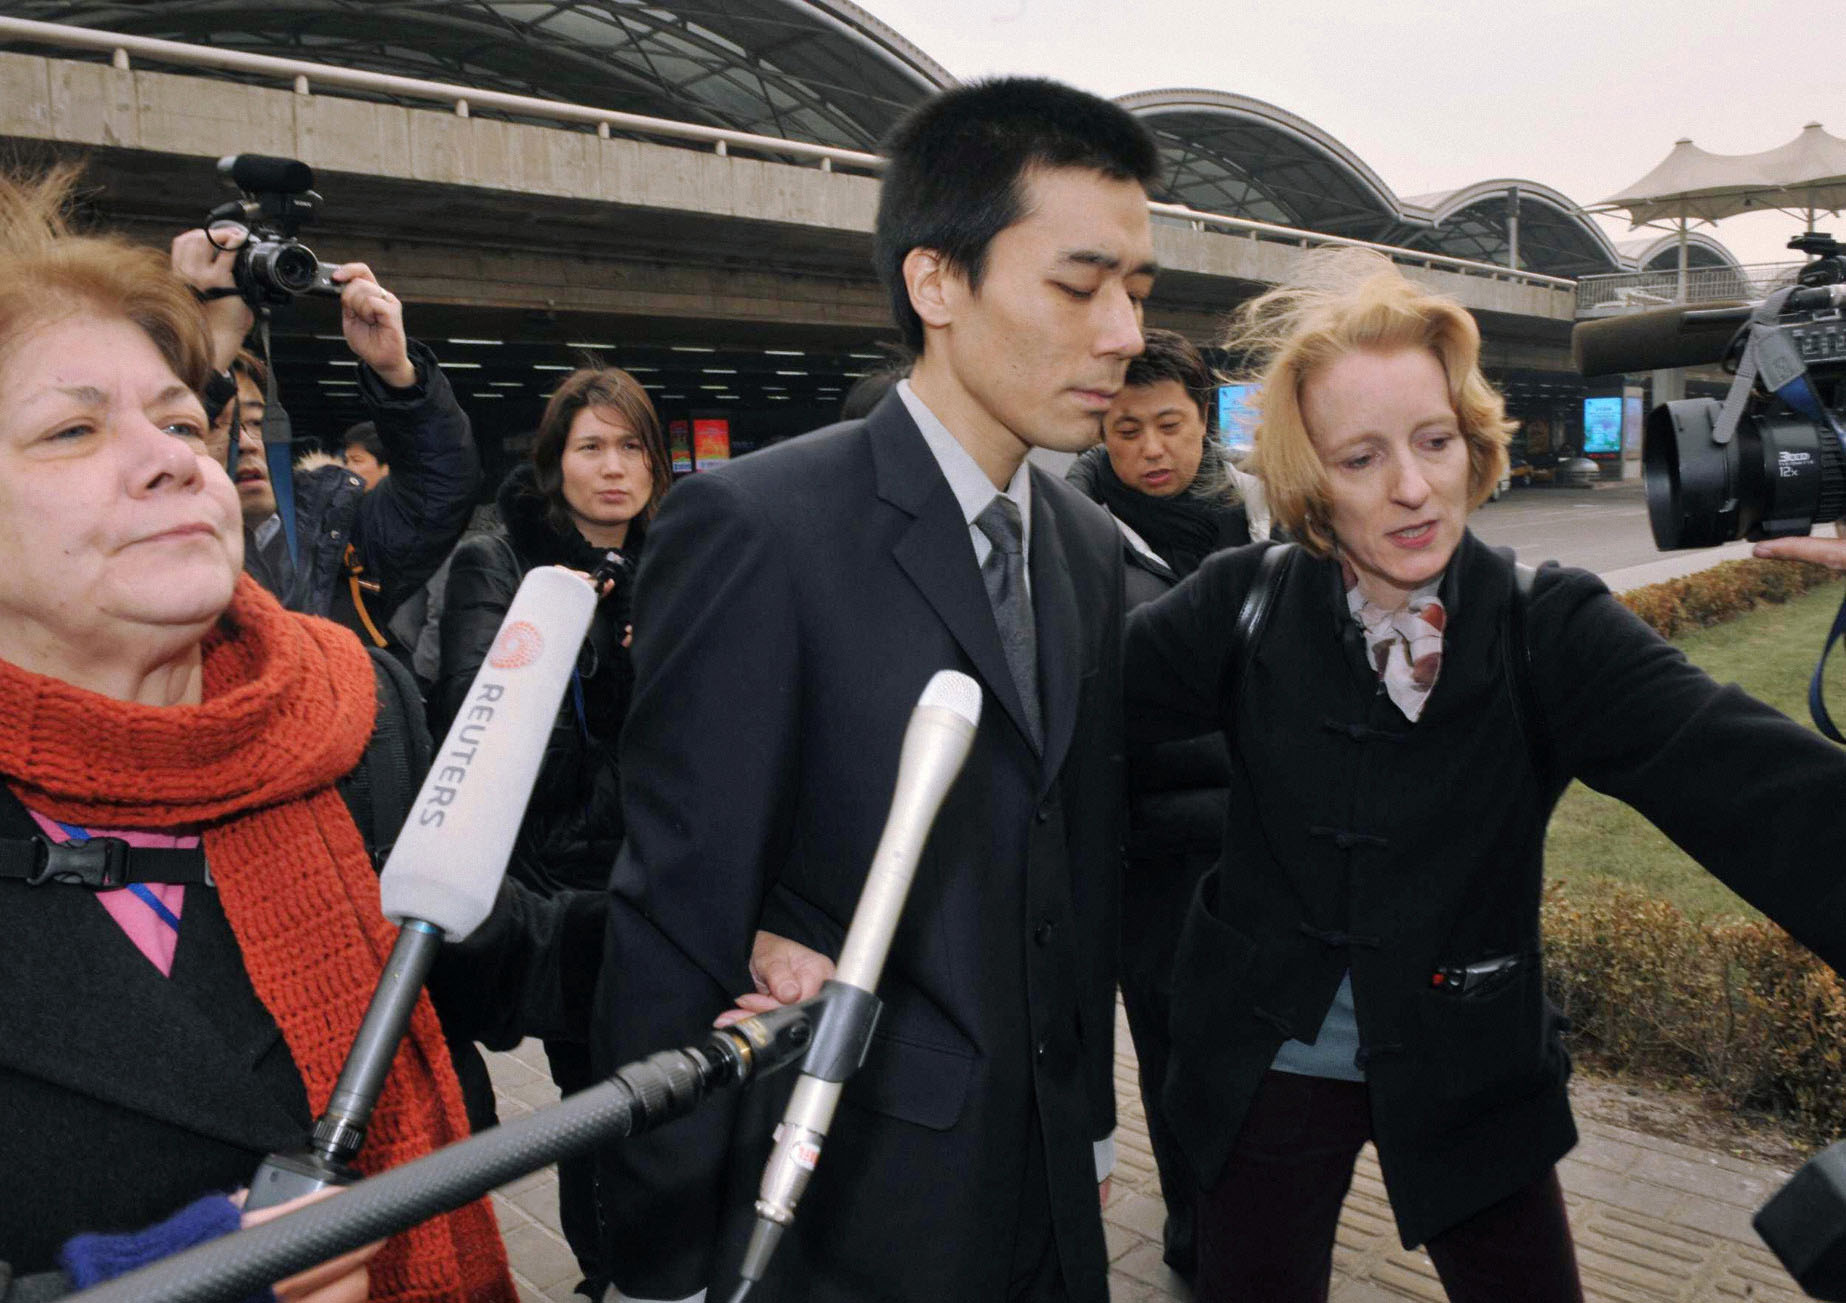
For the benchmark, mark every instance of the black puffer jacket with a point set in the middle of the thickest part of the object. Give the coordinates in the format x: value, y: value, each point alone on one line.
x: 573, y: 825
x: 400, y: 531
x: 1176, y: 789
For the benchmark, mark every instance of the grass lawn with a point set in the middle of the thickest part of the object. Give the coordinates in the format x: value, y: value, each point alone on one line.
x: 1770, y: 652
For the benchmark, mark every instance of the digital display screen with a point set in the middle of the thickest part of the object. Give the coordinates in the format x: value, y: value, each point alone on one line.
x: 1602, y: 427
x: 1237, y: 416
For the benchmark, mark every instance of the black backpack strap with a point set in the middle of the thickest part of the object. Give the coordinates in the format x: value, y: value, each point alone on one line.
x: 1516, y: 665
x: 382, y: 786
x: 1253, y: 615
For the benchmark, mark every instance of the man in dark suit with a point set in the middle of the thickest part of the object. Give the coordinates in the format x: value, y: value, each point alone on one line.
x: 789, y: 612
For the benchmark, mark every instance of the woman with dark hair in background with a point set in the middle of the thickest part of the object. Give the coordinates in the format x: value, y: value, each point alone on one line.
x: 1165, y: 478
x: 598, y: 469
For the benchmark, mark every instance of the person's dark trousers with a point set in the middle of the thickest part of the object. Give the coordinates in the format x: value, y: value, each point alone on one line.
x: 477, y: 1088
x: 1156, y: 893
x: 1265, y: 1231
x: 571, y: 1072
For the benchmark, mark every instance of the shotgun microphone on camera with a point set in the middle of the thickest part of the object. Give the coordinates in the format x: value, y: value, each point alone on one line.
x: 1656, y: 340
x: 443, y: 874
x: 265, y: 173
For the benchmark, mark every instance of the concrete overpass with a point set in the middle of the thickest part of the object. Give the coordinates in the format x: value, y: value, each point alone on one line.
x: 544, y: 235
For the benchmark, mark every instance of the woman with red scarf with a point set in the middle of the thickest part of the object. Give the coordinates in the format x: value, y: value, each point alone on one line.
x: 157, y: 1040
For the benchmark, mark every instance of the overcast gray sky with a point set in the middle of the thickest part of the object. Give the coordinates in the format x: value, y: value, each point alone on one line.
x: 1583, y: 95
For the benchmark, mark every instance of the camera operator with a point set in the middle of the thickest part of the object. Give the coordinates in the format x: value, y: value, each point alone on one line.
x: 358, y: 553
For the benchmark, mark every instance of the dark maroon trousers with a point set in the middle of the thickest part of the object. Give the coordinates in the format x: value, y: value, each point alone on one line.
x: 1265, y: 1232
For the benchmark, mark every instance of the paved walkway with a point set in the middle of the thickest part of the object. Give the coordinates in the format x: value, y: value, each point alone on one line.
x: 1654, y: 1220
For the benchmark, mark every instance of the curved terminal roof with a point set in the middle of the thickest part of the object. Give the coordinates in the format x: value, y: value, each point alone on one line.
x: 1555, y: 235
x: 823, y: 71
x: 1231, y: 154
x: 827, y: 72
x: 1662, y: 252
x: 1235, y: 155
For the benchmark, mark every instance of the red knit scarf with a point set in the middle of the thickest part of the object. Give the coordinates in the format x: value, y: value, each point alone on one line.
x: 289, y: 704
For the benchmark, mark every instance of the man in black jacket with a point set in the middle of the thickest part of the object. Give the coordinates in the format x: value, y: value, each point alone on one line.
x: 790, y: 609
x: 357, y: 554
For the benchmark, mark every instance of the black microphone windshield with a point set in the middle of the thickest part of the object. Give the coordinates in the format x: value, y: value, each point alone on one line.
x: 1656, y: 340
x: 264, y: 173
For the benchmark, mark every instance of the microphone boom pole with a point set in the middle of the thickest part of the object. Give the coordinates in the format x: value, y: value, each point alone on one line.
x: 638, y: 1098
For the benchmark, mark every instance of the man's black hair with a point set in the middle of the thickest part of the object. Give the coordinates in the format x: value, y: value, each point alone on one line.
x: 365, y: 434
x: 955, y: 175
x: 1169, y: 355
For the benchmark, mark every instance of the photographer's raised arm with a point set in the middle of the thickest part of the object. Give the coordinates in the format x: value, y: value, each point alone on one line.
x: 408, y: 524
x: 372, y: 319
x: 207, y: 267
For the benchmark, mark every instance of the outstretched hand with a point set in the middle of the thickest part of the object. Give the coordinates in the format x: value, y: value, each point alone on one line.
x: 1829, y: 552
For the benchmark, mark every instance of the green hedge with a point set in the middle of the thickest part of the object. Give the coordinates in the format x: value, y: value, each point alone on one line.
x: 1740, y: 1007
x: 1725, y: 591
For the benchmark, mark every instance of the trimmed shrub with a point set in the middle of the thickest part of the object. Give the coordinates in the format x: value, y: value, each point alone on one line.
x: 1723, y: 592
x: 1739, y: 1006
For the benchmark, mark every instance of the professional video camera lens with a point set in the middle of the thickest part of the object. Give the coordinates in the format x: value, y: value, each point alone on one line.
x: 1779, y: 474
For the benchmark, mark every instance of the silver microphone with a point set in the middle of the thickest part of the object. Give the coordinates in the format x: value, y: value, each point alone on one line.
x: 936, y: 745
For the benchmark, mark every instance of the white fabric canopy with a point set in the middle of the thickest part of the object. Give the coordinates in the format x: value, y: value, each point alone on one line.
x: 1811, y: 169
x: 1692, y: 184
x: 1696, y: 184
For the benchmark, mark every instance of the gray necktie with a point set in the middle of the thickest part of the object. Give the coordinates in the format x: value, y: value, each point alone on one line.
x: 1004, y: 573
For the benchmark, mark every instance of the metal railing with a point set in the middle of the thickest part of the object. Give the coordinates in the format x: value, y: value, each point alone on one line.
x: 306, y: 77
x: 1635, y: 290
x: 1269, y: 231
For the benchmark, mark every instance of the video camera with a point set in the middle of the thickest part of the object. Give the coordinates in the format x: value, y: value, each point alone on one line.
x: 1768, y: 461
x: 276, y: 200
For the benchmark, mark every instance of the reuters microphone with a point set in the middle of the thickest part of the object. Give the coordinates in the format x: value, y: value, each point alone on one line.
x: 444, y: 871
x: 936, y: 745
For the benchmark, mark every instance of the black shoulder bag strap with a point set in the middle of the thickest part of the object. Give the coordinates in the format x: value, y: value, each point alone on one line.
x: 382, y: 786
x: 1253, y: 615
x: 1515, y: 646
x: 1516, y: 665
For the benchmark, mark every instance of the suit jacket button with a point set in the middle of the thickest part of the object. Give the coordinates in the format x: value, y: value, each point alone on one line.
x: 1042, y: 933
x: 1044, y: 812
x: 1039, y: 1053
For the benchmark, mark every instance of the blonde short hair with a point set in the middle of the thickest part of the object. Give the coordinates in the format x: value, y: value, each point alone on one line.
x: 1345, y: 301
x: 47, y: 273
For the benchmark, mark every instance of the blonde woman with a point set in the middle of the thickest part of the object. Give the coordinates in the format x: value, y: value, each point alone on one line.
x: 1364, y: 962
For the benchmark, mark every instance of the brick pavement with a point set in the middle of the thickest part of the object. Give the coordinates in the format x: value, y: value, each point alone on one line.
x: 1655, y: 1220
